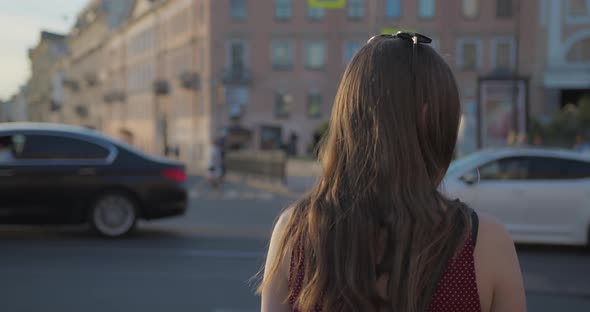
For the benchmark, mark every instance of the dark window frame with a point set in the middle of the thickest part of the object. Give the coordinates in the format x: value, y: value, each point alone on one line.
x: 281, y: 105
x: 498, y: 161
x: 283, y: 18
x: 233, y: 10
x: 312, y: 18
x: 44, y: 136
x: 362, y: 5
x: 386, y: 12
x: 291, y: 47
x: 311, y: 96
x: 562, y: 166
x: 505, y: 9
x: 307, y: 63
x: 427, y: 17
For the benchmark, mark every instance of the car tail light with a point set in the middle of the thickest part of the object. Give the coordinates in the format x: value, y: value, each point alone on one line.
x: 175, y: 174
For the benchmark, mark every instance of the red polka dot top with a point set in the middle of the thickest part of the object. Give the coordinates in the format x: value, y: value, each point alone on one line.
x: 456, y: 290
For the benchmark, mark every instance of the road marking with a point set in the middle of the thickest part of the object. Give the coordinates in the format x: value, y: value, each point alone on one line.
x: 230, y: 254
x: 232, y: 195
x: 200, y: 253
x: 266, y: 196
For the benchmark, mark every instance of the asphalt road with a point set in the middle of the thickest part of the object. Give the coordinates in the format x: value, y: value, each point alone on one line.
x: 204, y: 261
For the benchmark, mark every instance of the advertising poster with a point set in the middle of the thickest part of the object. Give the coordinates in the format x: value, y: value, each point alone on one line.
x: 498, y: 125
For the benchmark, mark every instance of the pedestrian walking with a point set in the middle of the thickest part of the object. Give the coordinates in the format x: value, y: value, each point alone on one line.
x: 376, y: 234
x: 215, y: 166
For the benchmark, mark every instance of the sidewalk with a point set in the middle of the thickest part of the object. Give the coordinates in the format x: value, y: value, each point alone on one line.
x: 302, y: 175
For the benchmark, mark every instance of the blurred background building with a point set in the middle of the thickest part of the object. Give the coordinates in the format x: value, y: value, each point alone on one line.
x: 170, y: 76
x: 48, y: 51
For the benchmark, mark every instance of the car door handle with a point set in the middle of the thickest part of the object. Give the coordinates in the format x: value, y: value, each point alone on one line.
x: 87, y: 171
x: 6, y: 173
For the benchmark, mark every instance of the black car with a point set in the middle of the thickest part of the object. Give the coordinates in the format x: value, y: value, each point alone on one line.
x: 57, y: 174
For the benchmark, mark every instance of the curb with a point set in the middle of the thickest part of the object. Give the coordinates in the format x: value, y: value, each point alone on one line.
x: 262, y: 184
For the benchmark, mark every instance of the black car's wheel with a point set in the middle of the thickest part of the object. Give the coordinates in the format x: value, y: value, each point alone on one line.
x: 113, y: 214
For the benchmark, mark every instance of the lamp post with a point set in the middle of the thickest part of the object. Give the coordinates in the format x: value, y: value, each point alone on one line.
x: 515, y: 78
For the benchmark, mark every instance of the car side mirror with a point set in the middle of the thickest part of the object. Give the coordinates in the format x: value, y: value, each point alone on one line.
x: 470, y: 178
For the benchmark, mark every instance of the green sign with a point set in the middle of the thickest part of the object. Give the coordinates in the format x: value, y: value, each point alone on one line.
x: 327, y: 4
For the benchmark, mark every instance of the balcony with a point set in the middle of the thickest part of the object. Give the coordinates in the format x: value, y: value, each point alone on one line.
x: 161, y: 87
x: 91, y: 79
x: 108, y: 98
x: 71, y: 84
x: 82, y: 111
x: 55, y: 106
x: 190, y: 80
x: 114, y: 96
x: 237, y: 76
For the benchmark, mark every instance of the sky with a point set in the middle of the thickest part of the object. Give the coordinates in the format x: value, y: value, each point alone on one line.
x: 21, y: 22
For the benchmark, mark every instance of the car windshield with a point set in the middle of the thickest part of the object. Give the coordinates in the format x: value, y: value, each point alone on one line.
x: 464, y: 162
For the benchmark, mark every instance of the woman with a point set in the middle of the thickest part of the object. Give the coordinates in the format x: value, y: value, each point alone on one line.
x: 375, y: 234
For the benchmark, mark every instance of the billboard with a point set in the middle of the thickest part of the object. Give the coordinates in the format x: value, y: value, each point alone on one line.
x: 502, y: 111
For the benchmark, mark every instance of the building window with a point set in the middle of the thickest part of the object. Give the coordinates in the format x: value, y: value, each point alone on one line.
x: 356, y: 9
x: 350, y: 49
x: 504, y: 8
x: 315, y: 13
x: 578, y: 10
x: 579, y: 52
x: 469, y: 54
x: 314, y: 104
x: 236, y: 99
x: 283, y: 103
x: 283, y: 9
x: 238, y: 10
x: 237, y: 56
x: 315, y: 55
x: 282, y: 54
x: 503, y: 53
x: 426, y: 8
x: 471, y: 8
x: 393, y: 8
x: 271, y: 137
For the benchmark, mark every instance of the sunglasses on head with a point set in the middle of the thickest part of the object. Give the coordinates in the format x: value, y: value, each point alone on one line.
x: 415, y: 38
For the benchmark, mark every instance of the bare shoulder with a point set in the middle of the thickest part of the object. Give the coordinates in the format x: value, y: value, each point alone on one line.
x: 499, y: 279
x: 277, y: 234
x: 275, y: 288
x: 492, y: 231
x: 493, y: 238
x: 283, y: 220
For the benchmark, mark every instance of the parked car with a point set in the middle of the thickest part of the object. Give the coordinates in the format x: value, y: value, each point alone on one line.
x: 57, y: 174
x: 541, y: 195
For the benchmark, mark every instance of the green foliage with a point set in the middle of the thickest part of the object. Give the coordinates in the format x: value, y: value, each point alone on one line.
x: 564, y: 126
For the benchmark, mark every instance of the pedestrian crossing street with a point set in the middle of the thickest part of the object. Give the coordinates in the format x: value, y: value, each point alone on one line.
x: 231, y: 194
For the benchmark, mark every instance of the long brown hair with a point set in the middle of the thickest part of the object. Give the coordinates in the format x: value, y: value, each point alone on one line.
x: 377, y: 209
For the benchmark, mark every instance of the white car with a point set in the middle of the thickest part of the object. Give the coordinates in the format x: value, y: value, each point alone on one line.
x: 541, y: 195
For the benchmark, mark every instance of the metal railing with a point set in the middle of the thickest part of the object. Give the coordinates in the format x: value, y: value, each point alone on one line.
x: 269, y: 165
